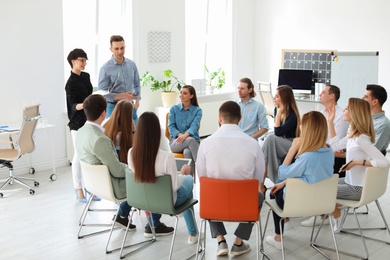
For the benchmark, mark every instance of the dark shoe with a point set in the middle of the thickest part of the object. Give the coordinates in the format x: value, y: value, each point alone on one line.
x: 122, y: 223
x: 161, y: 230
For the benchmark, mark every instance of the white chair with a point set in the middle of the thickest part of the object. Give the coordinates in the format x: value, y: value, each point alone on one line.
x: 97, y: 181
x: 23, y: 143
x: 267, y: 98
x: 305, y: 200
x: 375, y: 184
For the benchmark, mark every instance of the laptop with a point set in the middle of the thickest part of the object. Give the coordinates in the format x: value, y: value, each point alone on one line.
x: 182, y: 161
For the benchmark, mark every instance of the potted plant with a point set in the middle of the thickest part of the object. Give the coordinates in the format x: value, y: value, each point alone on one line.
x: 214, y: 79
x: 167, y: 86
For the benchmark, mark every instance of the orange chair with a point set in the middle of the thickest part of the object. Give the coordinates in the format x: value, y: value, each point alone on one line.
x: 177, y: 155
x: 222, y: 200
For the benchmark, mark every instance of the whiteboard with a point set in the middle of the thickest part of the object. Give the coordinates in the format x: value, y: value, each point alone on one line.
x: 352, y: 71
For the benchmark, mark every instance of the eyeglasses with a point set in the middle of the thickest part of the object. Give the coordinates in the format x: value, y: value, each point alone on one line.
x: 82, y: 60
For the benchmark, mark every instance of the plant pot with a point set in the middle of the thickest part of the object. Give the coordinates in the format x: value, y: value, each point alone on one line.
x: 168, y: 98
x: 210, y: 89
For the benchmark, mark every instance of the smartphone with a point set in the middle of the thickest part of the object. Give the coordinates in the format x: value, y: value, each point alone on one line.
x: 345, y: 166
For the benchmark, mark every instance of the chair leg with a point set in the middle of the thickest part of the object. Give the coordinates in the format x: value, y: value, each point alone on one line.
x: 343, y: 252
x: 281, y: 236
x: 84, y: 214
x: 19, y: 180
x: 143, y: 244
x: 264, y: 254
x: 386, y: 227
x: 316, y: 247
x: 201, y: 248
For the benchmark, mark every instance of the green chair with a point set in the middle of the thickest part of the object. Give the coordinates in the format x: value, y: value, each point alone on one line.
x: 153, y: 197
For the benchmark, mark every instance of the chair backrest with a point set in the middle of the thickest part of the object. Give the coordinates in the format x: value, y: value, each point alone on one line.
x: 97, y: 180
x: 166, y: 126
x: 154, y: 197
x: 304, y: 199
x: 375, y: 184
x: 26, y: 140
x: 267, y: 98
x: 229, y: 200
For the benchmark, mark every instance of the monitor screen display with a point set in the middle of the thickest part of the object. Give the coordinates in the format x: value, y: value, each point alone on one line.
x: 296, y: 79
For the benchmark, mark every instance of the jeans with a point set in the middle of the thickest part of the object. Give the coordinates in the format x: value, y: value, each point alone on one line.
x: 110, y: 108
x: 189, y: 147
x: 183, y: 194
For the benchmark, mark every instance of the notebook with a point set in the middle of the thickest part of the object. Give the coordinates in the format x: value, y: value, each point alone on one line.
x: 182, y: 161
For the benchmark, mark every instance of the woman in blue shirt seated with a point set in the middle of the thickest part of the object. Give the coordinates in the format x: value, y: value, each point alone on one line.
x: 313, y: 163
x: 286, y: 128
x: 183, y: 124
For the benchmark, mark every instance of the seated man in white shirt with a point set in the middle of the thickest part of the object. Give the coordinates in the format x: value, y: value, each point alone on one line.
x: 229, y: 153
x: 328, y: 98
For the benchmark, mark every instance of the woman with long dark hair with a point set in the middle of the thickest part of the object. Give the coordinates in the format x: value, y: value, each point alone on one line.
x: 183, y: 123
x: 148, y: 161
x: 286, y: 128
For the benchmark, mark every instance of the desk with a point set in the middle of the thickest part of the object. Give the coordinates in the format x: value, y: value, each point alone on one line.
x: 307, y: 104
x: 40, y: 126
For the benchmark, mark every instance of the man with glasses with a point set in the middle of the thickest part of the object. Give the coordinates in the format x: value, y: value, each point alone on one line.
x: 119, y: 79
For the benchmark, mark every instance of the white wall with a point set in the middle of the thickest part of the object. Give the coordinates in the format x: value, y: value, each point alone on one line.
x: 166, y: 16
x: 31, y: 71
x: 344, y: 25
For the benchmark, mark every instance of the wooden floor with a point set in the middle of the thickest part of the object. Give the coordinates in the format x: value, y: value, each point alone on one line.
x: 44, y: 226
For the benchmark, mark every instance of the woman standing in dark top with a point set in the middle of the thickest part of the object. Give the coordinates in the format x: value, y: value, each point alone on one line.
x: 77, y: 88
x: 286, y: 128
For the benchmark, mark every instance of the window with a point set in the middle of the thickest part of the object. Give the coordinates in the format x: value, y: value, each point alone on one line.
x: 89, y: 25
x: 209, y: 38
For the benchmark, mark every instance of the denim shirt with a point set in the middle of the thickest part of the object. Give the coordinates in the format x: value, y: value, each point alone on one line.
x: 184, y: 120
x: 119, y: 78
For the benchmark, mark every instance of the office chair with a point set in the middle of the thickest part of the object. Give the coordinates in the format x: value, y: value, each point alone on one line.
x: 266, y: 97
x: 21, y: 143
x: 221, y: 200
x: 305, y: 200
x: 153, y: 197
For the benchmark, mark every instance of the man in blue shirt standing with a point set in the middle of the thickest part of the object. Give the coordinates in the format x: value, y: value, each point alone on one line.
x: 119, y: 77
x: 254, y: 120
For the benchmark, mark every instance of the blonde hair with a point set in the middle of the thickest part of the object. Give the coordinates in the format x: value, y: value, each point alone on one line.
x: 314, y: 132
x: 287, y: 97
x: 361, y: 119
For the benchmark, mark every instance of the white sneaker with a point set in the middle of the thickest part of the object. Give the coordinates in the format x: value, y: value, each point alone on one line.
x: 194, y: 239
x: 338, y: 222
x: 310, y: 221
x: 271, y: 240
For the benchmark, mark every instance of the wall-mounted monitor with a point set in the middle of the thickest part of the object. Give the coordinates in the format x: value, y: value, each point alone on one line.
x: 300, y: 81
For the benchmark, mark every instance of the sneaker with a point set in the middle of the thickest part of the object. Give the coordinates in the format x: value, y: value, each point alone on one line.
x: 161, y: 230
x: 122, y: 223
x: 271, y: 240
x: 310, y: 221
x: 194, y: 239
x: 222, y: 249
x: 338, y: 222
x: 240, y: 250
